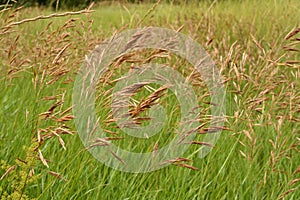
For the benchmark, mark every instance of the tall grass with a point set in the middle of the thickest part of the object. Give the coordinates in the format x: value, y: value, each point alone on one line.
x: 255, y: 45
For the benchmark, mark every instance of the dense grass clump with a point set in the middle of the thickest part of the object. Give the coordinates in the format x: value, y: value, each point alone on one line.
x: 254, y: 44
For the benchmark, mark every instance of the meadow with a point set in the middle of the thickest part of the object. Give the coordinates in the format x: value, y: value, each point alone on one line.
x: 254, y: 44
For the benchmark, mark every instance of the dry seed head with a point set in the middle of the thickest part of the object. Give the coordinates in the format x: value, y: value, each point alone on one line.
x: 42, y: 158
x: 9, y: 170
x: 186, y: 166
x: 292, y: 33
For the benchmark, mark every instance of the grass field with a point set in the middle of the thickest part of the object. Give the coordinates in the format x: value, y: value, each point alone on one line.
x: 255, y: 45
